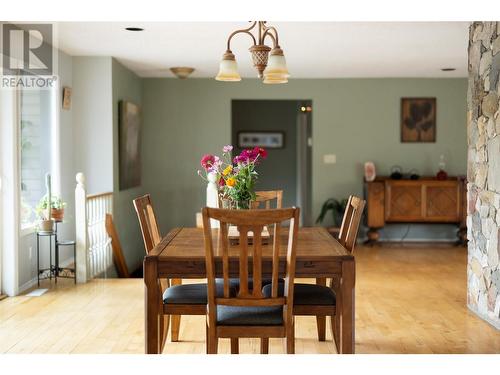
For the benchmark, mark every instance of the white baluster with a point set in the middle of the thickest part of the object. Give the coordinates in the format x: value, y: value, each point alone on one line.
x: 81, y: 229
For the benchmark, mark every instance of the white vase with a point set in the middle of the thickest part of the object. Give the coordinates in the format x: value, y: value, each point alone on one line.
x: 213, y: 195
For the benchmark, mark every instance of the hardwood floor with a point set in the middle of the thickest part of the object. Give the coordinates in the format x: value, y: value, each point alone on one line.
x: 409, y: 300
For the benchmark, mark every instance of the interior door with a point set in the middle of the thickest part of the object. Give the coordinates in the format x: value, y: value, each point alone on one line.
x: 287, y: 167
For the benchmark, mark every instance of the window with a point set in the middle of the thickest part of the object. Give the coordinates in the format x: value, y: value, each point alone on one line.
x: 36, y: 148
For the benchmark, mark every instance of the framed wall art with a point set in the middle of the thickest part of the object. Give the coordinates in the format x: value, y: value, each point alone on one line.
x: 129, y: 129
x: 66, y: 98
x: 261, y: 139
x: 418, y: 119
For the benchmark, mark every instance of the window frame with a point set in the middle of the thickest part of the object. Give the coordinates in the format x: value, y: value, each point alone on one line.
x: 27, y: 229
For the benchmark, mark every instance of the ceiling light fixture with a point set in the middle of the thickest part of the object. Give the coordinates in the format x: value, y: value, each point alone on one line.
x: 182, y: 72
x: 134, y: 29
x: 448, y: 69
x: 270, y: 63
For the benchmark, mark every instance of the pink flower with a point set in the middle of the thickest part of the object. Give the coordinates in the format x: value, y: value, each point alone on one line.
x: 207, y: 161
x: 248, y: 156
x: 216, y: 164
x: 261, y: 152
x: 227, y: 149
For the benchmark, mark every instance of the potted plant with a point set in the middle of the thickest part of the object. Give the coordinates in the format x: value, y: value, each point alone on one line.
x: 56, y: 208
x: 337, y: 208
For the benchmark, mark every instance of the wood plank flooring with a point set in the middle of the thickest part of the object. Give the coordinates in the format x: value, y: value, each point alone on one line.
x: 409, y: 300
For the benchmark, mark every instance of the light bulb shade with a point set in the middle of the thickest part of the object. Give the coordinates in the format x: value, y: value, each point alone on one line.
x: 276, y: 70
x: 275, y: 79
x: 228, y: 69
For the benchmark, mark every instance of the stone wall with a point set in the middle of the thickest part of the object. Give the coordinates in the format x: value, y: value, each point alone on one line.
x: 483, y: 172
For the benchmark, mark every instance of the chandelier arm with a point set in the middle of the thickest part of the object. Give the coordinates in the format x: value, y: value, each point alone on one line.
x: 246, y: 31
x: 267, y: 31
x: 272, y: 38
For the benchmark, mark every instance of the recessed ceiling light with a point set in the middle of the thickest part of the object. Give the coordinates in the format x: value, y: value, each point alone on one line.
x: 134, y: 29
x: 448, y: 69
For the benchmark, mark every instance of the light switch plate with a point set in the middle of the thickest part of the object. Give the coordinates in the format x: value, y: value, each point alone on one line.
x: 329, y: 159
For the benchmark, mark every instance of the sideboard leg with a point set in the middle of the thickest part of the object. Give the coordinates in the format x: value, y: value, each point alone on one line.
x: 462, y: 236
x: 373, y: 236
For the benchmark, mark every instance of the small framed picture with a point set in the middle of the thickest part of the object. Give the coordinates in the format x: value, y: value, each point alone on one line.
x: 66, y: 98
x: 418, y: 120
x: 261, y: 139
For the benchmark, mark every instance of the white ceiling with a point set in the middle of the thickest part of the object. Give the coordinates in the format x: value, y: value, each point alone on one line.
x: 312, y: 49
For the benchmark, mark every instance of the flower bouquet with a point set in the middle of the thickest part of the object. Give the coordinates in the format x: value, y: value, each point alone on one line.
x: 236, y: 177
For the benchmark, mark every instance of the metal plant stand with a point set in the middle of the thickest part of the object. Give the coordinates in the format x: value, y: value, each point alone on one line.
x: 54, y: 270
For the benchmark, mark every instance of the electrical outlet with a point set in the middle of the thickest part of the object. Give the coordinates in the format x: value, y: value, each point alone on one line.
x: 329, y: 159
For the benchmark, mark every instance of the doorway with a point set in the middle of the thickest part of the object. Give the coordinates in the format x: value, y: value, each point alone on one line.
x: 284, y: 128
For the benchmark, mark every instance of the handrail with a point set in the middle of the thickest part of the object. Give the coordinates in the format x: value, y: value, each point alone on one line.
x: 98, y: 195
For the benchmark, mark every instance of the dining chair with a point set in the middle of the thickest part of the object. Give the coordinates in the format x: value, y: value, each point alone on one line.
x: 319, y: 299
x: 265, y: 198
x: 249, y: 313
x: 177, y: 299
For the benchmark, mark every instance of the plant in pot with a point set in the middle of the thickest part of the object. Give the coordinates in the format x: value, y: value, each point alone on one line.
x: 56, y: 211
x: 337, y: 209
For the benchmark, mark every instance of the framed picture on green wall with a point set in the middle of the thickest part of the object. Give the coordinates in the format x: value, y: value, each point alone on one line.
x: 418, y: 120
x: 129, y: 129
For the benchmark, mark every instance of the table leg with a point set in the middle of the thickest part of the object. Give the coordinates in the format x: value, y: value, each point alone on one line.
x: 347, y: 307
x: 321, y: 320
x: 151, y: 316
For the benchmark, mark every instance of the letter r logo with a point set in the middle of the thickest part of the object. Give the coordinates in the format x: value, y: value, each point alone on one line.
x: 27, y: 49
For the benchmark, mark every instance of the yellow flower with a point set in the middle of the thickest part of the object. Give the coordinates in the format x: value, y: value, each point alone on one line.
x: 231, y: 182
x: 228, y: 170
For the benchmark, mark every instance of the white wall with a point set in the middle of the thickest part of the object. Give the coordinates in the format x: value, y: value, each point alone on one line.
x: 92, y: 118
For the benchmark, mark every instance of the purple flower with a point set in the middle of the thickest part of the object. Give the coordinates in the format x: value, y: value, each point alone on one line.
x: 227, y: 149
x: 215, y: 165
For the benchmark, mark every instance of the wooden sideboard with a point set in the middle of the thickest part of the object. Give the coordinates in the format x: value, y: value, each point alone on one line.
x: 425, y: 200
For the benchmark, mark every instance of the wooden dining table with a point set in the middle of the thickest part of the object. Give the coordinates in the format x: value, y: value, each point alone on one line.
x: 181, y: 254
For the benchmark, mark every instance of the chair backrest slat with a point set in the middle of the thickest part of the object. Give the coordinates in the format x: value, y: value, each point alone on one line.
x: 266, y: 197
x: 276, y: 255
x: 350, y: 223
x: 257, y: 262
x: 247, y: 221
x: 147, y: 220
x: 243, y: 290
x: 223, y: 245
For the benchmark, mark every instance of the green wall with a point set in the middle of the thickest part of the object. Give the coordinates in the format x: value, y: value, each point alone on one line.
x: 126, y: 86
x: 356, y: 119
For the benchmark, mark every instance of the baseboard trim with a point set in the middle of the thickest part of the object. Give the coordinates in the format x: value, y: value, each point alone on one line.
x: 2, y: 296
x: 494, y: 323
x: 27, y: 285
x: 420, y: 239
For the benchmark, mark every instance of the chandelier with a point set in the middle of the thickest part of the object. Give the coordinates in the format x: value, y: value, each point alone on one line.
x: 270, y: 63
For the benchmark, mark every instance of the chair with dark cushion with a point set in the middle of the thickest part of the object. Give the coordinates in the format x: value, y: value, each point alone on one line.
x: 178, y: 299
x: 318, y: 299
x: 249, y: 313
